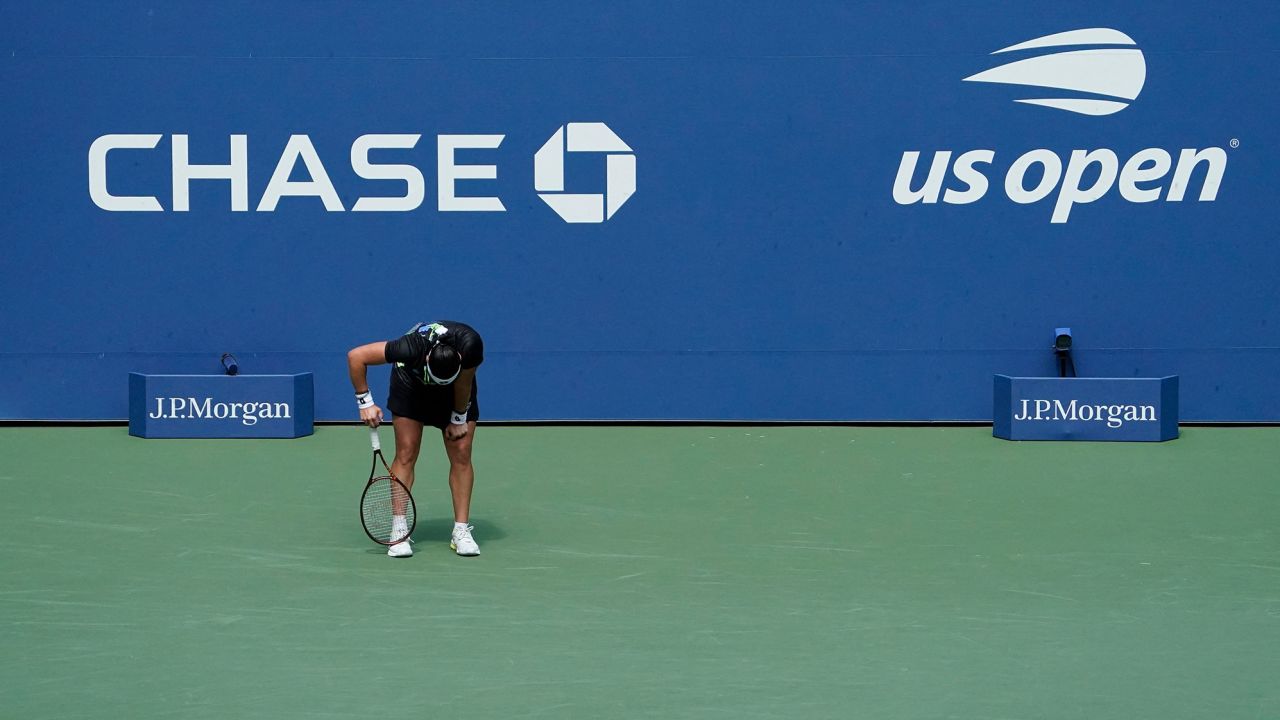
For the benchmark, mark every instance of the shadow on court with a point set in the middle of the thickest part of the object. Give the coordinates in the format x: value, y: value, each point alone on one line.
x: 433, y: 531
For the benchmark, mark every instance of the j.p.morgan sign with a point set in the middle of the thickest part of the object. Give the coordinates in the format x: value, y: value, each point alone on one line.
x: 221, y: 406
x: 1142, y: 409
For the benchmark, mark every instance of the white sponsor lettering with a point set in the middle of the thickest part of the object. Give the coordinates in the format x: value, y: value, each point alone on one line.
x: 1043, y: 169
x: 237, y: 171
x: 300, y: 147
x: 548, y: 173
x: 967, y: 173
x: 1145, y: 166
x: 1113, y: 67
x: 98, y: 173
x: 620, y: 174
x: 1115, y: 416
x: 1015, y: 185
x: 448, y: 172
x: 198, y: 409
x: 189, y: 408
x: 415, y: 186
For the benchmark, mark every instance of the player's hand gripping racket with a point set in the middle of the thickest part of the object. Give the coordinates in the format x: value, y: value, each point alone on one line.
x: 386, y: 507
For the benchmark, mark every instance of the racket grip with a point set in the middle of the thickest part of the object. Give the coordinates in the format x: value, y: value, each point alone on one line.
x: 373, y: 439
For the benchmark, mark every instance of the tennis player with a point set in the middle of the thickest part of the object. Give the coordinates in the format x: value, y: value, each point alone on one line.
x: 433, y: 383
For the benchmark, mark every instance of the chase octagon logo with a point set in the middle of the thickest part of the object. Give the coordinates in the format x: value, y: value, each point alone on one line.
x: 620, y: 172
x: 1108, y: 64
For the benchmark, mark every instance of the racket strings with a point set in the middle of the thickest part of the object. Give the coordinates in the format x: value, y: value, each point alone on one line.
x: 384, y: 503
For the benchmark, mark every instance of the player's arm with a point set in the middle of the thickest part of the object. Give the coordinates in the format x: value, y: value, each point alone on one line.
x: 461, y: 404
x: 462, y: 391
x: 360, y: 358
x: 358, y: 361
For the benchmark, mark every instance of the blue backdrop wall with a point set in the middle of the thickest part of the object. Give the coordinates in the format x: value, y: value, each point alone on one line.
x: 774, y: 261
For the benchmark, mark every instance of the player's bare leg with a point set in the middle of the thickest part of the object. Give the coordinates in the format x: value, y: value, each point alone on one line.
x: 408, y: 444
x: 462, y: 477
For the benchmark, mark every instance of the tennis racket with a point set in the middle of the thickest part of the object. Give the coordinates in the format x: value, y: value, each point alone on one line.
x: 386, y: 507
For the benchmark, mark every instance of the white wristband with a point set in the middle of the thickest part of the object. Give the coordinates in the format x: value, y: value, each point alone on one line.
x: 458, y: 418
x: 364, y: 399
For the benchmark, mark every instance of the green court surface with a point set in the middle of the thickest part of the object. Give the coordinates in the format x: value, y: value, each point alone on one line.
x: 646, y: 572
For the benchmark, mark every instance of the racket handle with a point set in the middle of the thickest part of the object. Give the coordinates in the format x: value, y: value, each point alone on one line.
x: 373, y: 439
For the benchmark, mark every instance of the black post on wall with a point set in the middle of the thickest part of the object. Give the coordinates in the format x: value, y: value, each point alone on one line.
x: 1062, y: 349
x: 229, y: 364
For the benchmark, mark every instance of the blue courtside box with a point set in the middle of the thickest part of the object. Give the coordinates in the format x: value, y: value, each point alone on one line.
x: 221, y: 406
x: 1048, y: 408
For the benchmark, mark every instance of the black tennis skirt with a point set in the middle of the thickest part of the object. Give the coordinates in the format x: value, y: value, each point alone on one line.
x: 428, y: 404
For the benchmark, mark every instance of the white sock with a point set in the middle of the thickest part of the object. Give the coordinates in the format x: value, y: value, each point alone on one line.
x: 460, y: 527
x: 399, y: 524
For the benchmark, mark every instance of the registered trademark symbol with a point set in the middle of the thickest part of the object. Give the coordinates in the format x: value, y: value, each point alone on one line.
x: 1235, y: 143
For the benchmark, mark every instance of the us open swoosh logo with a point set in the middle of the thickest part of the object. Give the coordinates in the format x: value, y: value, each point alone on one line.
x: 1114, y: 72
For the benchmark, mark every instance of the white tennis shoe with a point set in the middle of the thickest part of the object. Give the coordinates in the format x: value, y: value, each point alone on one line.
x: 404, y: 548
x: 462, y: 542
